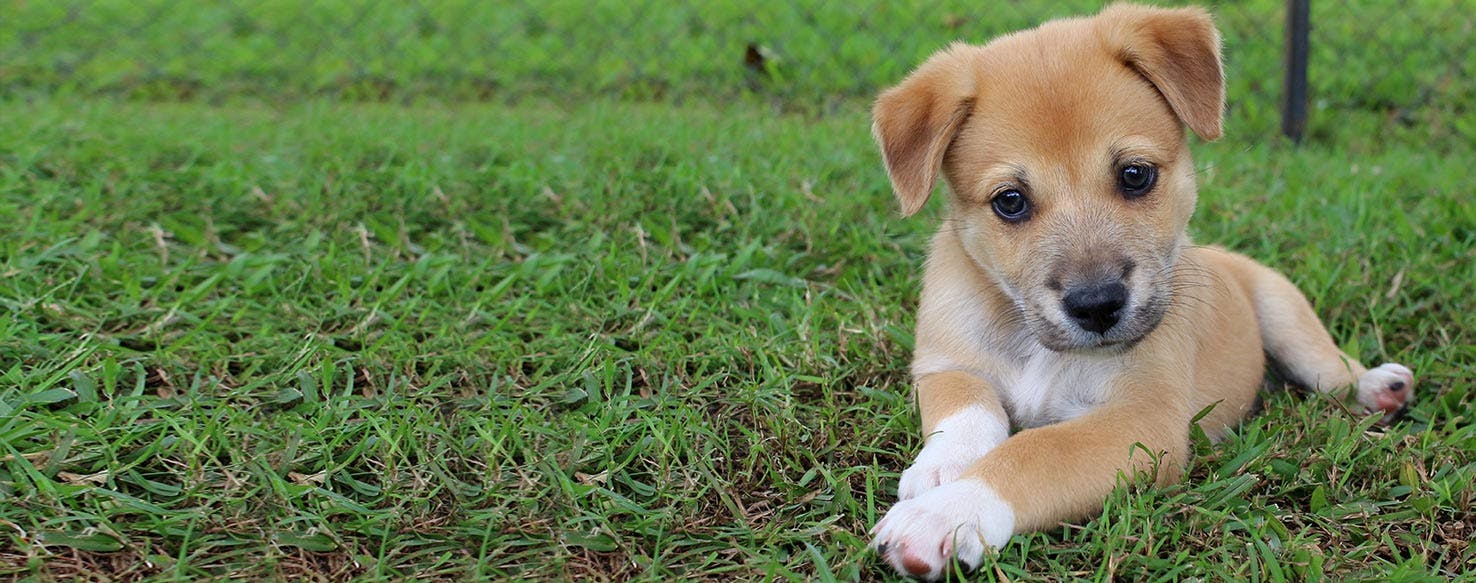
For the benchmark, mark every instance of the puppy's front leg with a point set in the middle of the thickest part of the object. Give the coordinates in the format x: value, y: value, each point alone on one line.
x: 1034, y: 480
x: 961, y: 421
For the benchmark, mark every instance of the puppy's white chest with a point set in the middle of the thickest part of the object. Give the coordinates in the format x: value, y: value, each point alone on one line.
x: 1052, y: 387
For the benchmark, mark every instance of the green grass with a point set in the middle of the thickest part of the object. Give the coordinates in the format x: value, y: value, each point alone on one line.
x: 528, y: 342
x: 642, y: 315
x: 1399, y: 69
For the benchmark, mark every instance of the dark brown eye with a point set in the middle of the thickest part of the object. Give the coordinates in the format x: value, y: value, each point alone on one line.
x: 1137, y: 179
x: 1011, y: 206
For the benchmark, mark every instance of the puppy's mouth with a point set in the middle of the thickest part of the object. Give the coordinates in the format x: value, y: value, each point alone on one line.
x: 1109, y: 329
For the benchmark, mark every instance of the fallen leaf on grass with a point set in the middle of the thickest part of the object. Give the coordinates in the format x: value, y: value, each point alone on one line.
x: 99, y: 478
x: 306, y: 479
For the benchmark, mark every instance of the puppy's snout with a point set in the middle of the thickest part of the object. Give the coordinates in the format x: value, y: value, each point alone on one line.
x: 1096, y: 307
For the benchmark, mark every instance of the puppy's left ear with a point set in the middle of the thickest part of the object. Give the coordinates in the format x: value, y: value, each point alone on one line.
x: 1178, y: 51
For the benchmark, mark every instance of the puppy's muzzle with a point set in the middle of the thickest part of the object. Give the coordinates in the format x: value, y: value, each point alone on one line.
x: 1095, y: 307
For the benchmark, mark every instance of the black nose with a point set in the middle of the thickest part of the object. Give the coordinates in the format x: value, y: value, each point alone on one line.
x: 1096, y: 307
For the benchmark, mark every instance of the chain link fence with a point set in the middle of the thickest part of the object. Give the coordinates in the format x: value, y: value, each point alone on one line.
x: 1402, y: 65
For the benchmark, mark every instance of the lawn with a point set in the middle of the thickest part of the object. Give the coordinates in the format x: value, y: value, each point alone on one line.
x: 632, y: 338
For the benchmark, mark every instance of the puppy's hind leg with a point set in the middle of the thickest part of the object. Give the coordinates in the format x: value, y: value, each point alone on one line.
x: 1295, y: 339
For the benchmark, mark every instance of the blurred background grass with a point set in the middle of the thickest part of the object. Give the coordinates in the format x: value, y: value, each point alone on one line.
x: 1400, y: 70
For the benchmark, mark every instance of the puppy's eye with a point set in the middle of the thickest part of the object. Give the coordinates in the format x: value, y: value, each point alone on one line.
x: 1137, y: 179
x: 1011, y: 206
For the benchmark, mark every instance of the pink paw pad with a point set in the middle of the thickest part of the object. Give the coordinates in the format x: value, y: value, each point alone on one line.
x: 1386, y: 388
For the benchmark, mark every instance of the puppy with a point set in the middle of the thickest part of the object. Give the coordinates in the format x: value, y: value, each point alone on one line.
x: 1062, y: 297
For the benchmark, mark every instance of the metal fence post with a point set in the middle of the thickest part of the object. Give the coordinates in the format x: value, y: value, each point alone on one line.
x: 1294, y: 85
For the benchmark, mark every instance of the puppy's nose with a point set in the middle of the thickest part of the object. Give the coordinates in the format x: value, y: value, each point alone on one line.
x: 1096, y: 307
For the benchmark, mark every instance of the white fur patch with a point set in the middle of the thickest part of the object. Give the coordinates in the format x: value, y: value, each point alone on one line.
x: 955, y: 444
x: 1052, y: 387
x: 1046, y: 387
x: 960, y: 519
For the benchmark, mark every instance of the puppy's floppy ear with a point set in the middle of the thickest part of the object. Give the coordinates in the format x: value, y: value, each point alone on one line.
x: 1178, y: 51
x: 915, y: 121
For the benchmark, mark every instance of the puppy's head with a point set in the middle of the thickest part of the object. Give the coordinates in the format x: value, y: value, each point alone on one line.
x: 1069, y: 171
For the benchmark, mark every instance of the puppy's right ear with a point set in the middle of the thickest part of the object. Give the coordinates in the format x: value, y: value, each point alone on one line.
x: 915, y: 122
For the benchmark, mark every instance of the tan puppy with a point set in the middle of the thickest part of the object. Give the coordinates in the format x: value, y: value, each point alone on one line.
x: 1062, y: 296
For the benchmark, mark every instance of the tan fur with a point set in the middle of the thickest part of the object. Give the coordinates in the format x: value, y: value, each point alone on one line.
x: 1054, y: 112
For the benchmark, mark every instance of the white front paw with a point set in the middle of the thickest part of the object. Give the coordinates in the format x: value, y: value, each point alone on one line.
x: 929, y: 472
x: 956, y: 443
x: 959, y: 520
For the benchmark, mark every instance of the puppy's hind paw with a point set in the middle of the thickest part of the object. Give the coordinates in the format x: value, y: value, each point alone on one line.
x: 1386, y: 389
